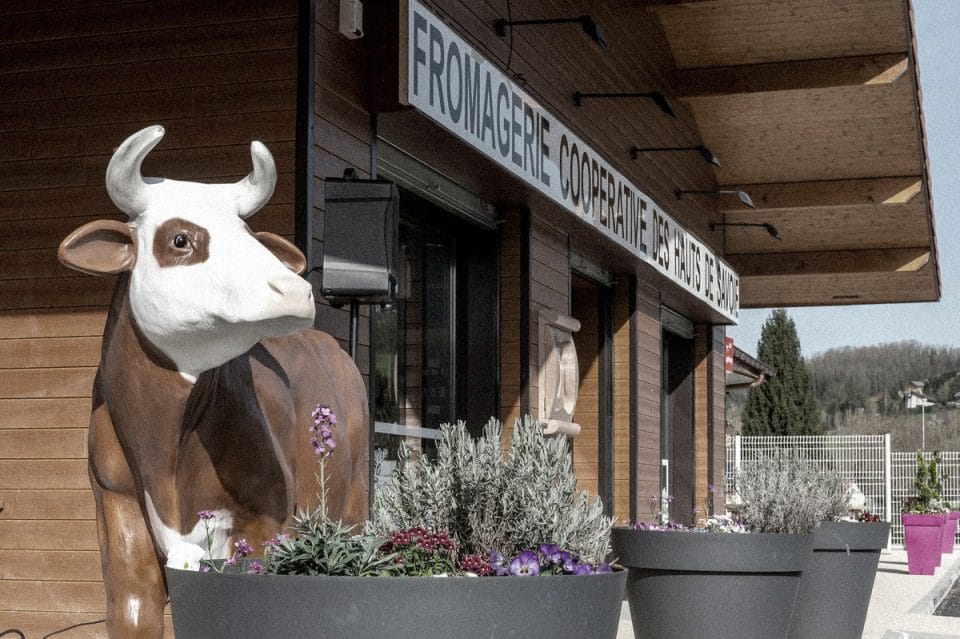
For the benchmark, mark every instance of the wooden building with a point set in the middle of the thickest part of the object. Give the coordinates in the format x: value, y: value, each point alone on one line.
x: 520, y: 210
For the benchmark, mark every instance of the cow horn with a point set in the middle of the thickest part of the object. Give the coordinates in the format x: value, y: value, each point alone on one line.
x: 125, y: 185
x: 255, y: 189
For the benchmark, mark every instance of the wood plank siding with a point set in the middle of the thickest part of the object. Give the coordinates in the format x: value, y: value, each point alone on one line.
x: 623, y: 418
x: 646, y: 389
x: 75, y: 80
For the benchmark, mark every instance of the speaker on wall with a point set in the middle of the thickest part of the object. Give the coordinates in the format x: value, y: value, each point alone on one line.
x: 360, y: 241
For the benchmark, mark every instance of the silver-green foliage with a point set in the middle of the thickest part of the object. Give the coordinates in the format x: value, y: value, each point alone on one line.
x: 783, y: 494
x: 489, y: 501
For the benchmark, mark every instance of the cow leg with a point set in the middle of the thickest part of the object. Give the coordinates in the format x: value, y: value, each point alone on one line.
x: 132, y: 578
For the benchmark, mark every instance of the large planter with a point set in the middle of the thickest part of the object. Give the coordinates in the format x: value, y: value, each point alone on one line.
x: 922, y: 538
x: 235, y: 606
x: 949, y: 533
x: 698, y: 584
x: 837, y: 582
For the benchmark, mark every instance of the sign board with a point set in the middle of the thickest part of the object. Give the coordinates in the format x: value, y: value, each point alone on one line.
x: 451, y: 83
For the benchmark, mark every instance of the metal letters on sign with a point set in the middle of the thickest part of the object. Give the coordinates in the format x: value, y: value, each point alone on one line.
x: 447, y: 80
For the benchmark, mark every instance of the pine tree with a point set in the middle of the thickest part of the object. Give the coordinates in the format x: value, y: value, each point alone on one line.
x: 784, y: 404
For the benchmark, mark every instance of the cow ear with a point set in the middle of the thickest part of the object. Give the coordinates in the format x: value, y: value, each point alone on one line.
x: 286, y: 252
x: 103, y: 247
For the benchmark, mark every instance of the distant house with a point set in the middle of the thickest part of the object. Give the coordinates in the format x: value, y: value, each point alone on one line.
x: 914, y: 396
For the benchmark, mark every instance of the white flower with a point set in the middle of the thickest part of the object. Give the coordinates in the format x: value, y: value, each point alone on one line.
x: 185, y: 556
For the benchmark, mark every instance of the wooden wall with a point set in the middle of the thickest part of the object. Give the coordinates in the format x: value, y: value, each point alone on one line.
x: 646, y: 388
x: 623, y: 422
x: 341, y: 136
x: 718, y: 420
x: 511, y: 300
x: 586, y: 445
x: 549, y: 289
x: 75, y: 79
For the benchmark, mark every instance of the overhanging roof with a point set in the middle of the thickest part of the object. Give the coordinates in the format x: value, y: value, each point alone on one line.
x: 814, y: 108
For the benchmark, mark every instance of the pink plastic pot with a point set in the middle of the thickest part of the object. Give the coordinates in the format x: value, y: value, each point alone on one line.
x: 922, y: 535
x: 949, y: 533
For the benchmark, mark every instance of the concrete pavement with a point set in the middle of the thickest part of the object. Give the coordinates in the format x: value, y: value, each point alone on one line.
x: 901, y: 606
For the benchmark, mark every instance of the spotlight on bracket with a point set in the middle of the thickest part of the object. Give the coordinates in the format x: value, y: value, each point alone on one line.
x: 587, y: 23
x: 740, y: 194
x: 704, y: 152
x: 658, y: 98
x: 769, y: 228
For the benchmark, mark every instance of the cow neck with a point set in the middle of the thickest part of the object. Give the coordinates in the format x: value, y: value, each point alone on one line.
x: 147, y: 397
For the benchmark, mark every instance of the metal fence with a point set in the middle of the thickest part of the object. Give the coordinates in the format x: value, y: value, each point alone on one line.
x: 885, y: 478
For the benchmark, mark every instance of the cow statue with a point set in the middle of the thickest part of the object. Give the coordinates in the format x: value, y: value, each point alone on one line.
x: 208, y: 376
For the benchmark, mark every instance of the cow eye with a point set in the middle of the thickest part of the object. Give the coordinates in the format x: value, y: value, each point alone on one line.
x: 181, y: 240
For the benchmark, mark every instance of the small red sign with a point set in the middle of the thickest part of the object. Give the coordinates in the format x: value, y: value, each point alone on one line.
x: 728, y: 354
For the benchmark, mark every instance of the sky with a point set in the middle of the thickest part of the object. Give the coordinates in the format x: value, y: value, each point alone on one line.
x: 936, y: 323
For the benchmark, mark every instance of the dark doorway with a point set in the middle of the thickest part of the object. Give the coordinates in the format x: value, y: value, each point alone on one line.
x: 676, y: 427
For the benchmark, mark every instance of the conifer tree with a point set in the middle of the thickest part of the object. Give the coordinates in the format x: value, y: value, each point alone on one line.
x: 784, y: 404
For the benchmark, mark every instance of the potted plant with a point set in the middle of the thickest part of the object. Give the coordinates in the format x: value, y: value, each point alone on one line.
x: 726, y: 577
x: 838, y: 579
x: 949, y: 535
x: 443, y: 555
x: 924, y: 518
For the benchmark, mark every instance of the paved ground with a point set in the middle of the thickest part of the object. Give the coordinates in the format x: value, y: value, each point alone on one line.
x: 901, y: 606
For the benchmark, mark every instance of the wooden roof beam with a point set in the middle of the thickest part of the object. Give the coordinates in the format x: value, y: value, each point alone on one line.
x: 900, y: 260
x: 860, y: 192
x: 792, y: 76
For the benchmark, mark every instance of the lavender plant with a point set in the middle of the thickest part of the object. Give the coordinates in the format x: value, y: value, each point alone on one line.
x: 495, y: 502
x: 782, y: 494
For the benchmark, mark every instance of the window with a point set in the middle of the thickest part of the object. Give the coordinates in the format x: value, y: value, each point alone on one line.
x: 434, y: 352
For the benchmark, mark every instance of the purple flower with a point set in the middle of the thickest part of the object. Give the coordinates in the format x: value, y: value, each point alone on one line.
x: 582, y: 569
x: 206, y: 514
x: 243, y: 548
x: 322, y: 438
x: 499, y: 564
x: 255, y: 568
x: 569, y: 562
x: 526, y: 564
x: 551, y: 554
x: 604, y: 568
x: 275, y: 542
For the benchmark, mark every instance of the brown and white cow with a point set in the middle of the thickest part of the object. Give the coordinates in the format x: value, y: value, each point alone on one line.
x: 208, y: 375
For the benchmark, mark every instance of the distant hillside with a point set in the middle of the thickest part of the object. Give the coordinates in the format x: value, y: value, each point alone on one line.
x: 859, y: 392
x: 870, y: 377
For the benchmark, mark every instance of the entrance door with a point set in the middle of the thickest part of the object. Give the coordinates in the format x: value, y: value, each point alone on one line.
x: 592, y: 448
x: 676, y: 426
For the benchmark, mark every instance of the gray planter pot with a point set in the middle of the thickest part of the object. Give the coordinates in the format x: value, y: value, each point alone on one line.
x: 838, y: 580
x: 698, y: 584
x: 236, y: 606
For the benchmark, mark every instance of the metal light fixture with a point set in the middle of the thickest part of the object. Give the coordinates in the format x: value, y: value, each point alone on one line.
x: 704, y: 152
x: 589, y: 25
x: 658, y: 98
x: 740, y: 194
x: 769, y: 228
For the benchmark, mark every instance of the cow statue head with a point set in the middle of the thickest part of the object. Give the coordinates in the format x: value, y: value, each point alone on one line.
x: 203, y: 287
